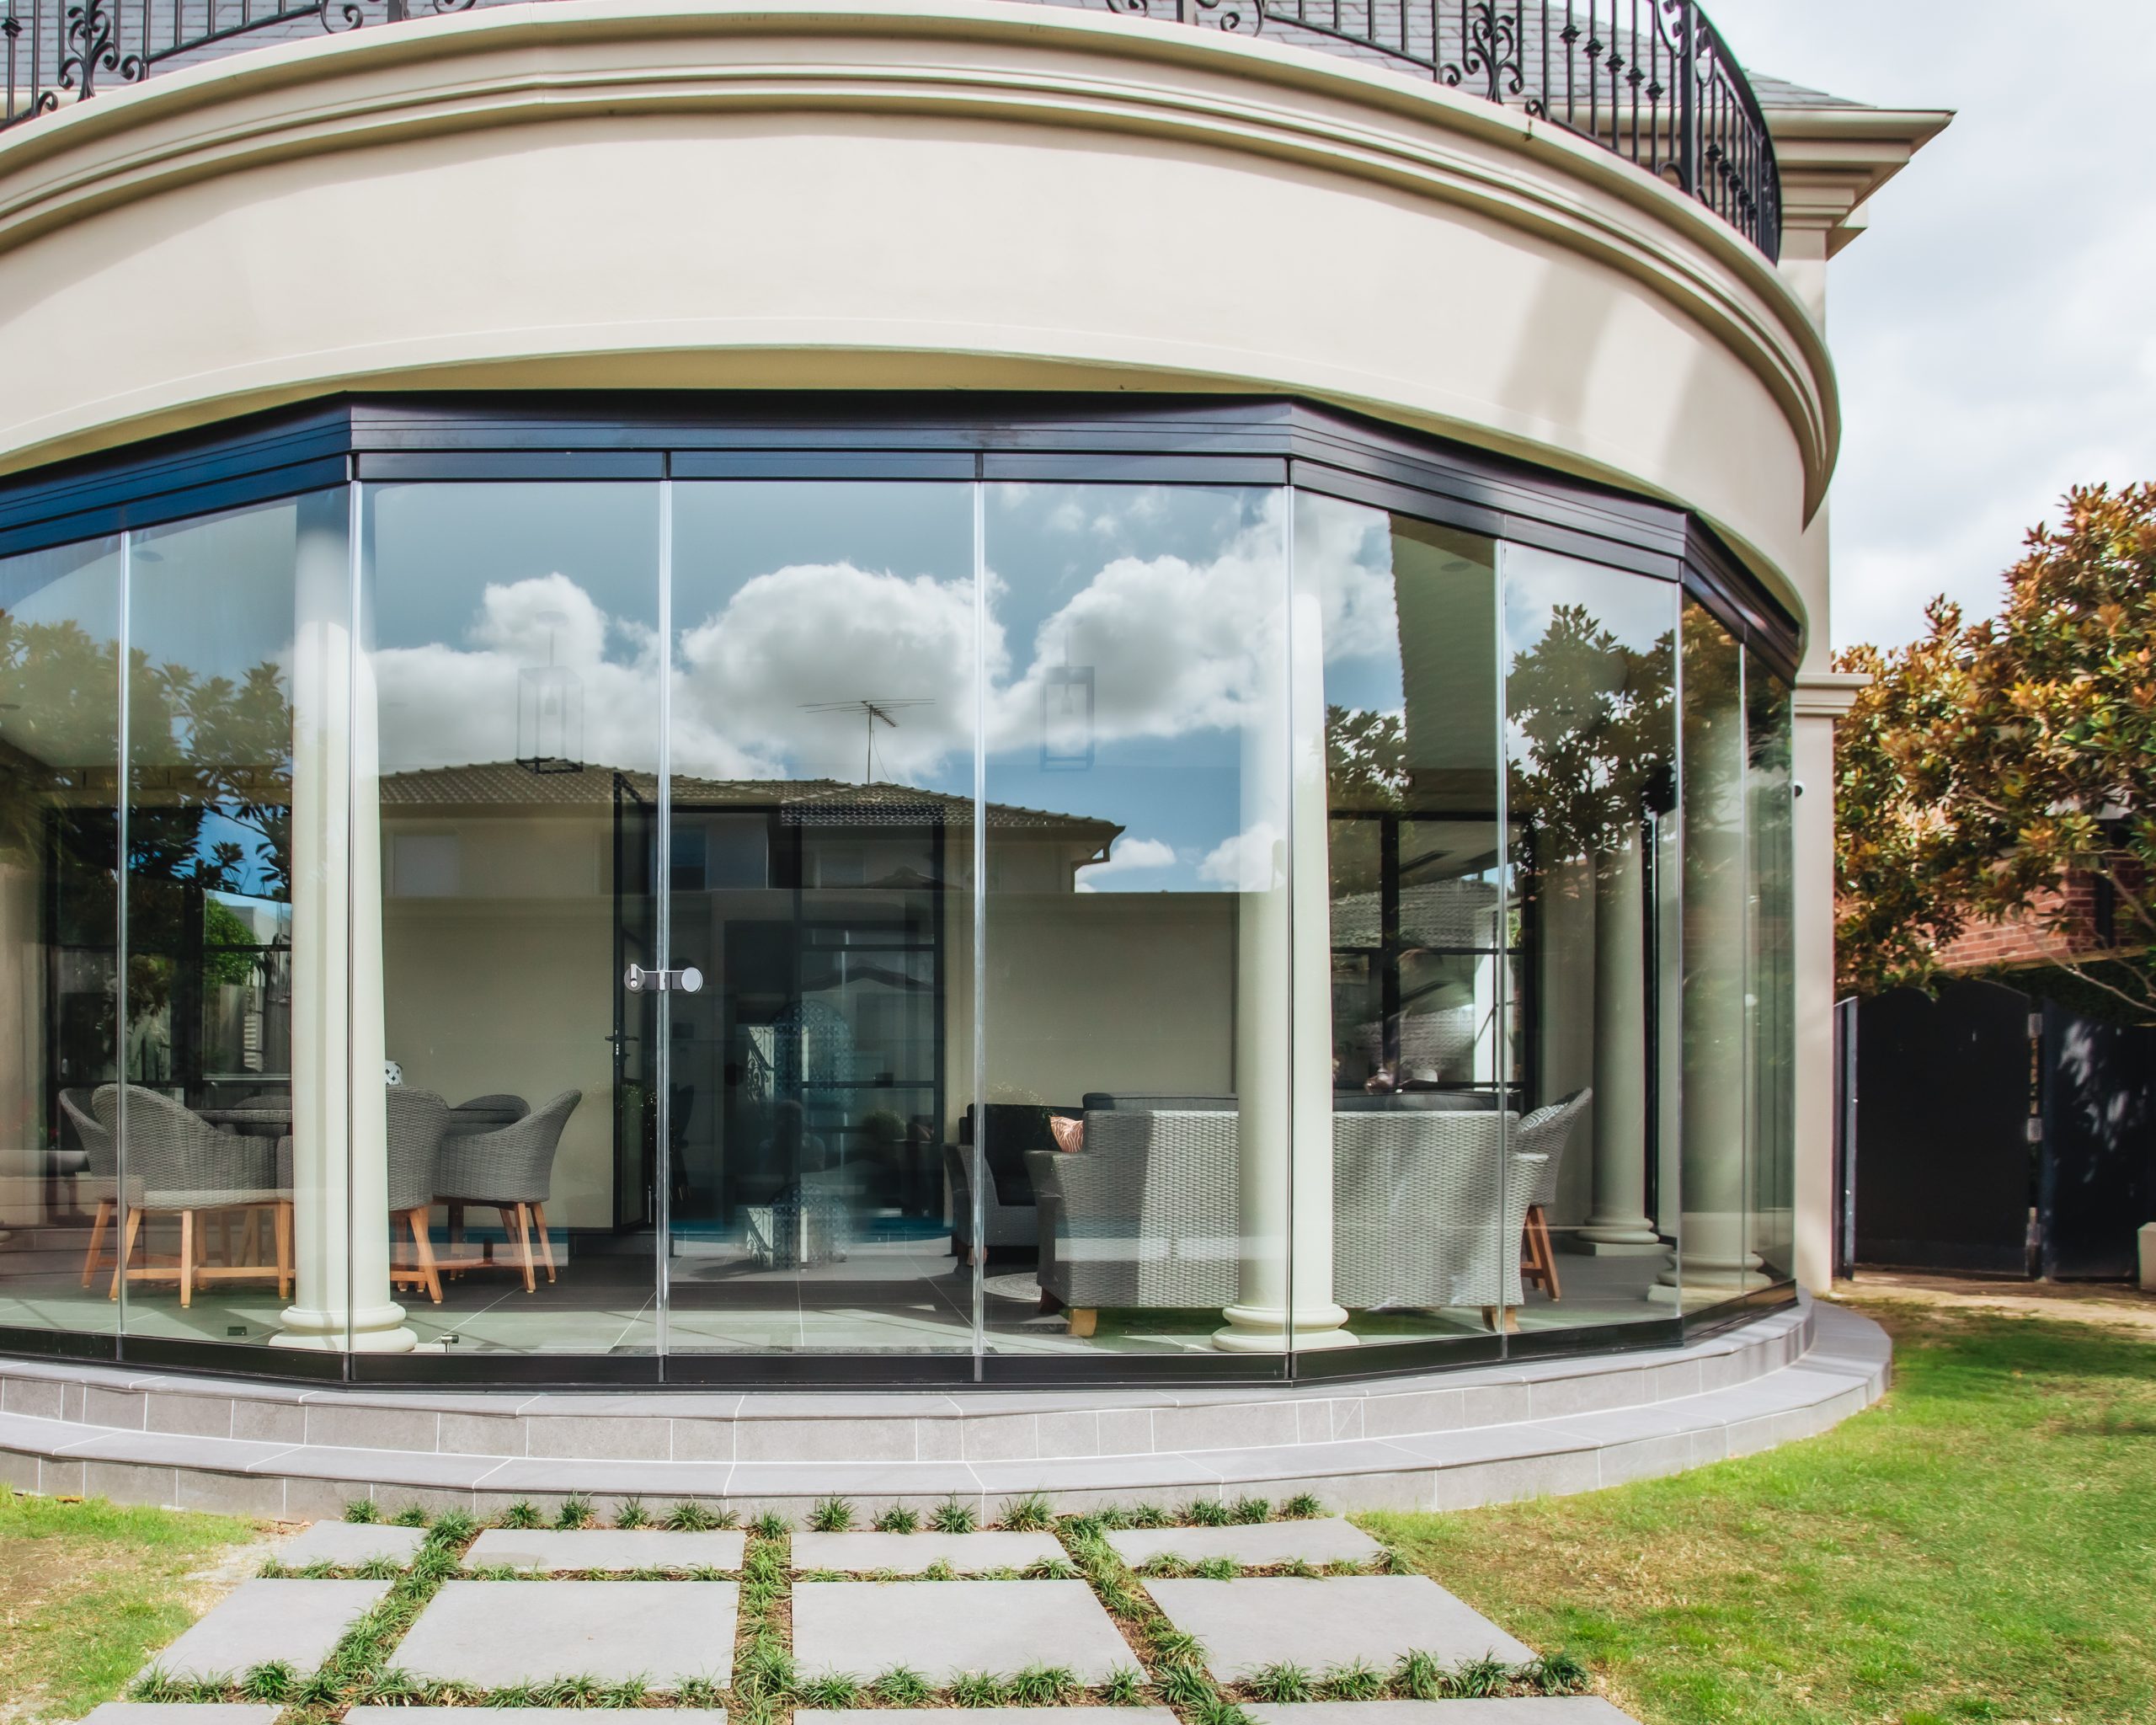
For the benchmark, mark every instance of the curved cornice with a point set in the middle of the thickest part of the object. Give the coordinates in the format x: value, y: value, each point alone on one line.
x: 518, y: 65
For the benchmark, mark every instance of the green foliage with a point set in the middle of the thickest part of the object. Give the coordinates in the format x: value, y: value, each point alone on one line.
x: 897, y: 1518
x: 976, y: 1689
x: 831, y: 1516
x: 523, y: 1514
x: 1182, y: 1683
x: 362, y: 1511
x: 690, y: 1518
x: 952, y: 1515
x: 1043, y: 1686
x: 576, y: 1512
x: 411, y: 1515
x: 1207, y: 1511
x: 633, y: 1514
x: 1032, y: 1513
x: 1125, y: 1687
x: 834, y: 1691
x: 1990, y: 768
x: 1302, y: 1507
x: 1249, y: 1511
x: 1282, y: 1684
x: 772, y: 1526
x: 1355, y: 1681
x: 902, y: 1687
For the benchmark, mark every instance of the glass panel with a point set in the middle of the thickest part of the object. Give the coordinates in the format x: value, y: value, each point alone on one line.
x: 59, y: 932
x: 215, y: 1117
x: 822, y: 734
x: 1591, y: 739
x: 1136, y: 931
x: 511, y: 673
x: 1430, y: 968
x: 1772, y: 992
x: 1716, y: 1262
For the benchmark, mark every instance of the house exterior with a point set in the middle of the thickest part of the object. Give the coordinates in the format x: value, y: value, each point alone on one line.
x: 915, y: 690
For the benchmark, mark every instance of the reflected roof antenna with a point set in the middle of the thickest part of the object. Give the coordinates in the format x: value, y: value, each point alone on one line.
x: 882, y: 707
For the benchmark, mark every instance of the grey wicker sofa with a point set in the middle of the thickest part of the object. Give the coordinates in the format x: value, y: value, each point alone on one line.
x: 1428, y: 1210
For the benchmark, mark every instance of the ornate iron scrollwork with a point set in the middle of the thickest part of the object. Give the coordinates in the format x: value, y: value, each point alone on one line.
x: 1491, y: 49
x: 93, y: 46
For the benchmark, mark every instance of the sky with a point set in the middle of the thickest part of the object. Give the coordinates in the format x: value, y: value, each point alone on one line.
x: 1995, y: 330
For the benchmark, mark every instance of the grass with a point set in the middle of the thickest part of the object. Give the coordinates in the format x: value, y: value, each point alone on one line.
x: 87, y: 1589
x: 1981, y: 1547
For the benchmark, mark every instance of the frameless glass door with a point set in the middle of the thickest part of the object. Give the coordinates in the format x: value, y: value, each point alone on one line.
x: 819, y: 819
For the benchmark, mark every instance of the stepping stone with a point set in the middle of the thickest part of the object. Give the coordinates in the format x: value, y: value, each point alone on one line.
x: 1324, y: 1624
x: 602, y: 1548
x: 862, y: 1629
x: 348, y: 1545
x: 187, y: 1713
x: 938, y: 1715
x: 1332, y: 1540
x: 494, y: 1716
x: 909, y: 1553
x: 297, y: 1621
x: 1514, y: 1710
x: 491, y: 1634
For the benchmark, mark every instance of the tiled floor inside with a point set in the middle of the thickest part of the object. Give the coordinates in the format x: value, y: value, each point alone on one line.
x: 894, y: 1296
x: 1220, y: 1613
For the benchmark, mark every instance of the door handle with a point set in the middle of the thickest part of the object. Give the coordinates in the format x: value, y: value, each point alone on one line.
x: 687, y: 980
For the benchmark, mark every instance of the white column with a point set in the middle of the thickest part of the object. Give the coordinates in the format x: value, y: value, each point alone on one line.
x: 1618, y: 1225
x: 341, y: 1175
x: 1283, y: 1009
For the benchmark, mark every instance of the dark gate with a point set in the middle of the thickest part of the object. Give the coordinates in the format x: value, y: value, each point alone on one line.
x: 2098, y: 1181
x: 1946, y: 1174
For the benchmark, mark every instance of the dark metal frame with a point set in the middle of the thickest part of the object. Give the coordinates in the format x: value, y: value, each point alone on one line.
x: 1095, y: 439
x: 1650, y: 81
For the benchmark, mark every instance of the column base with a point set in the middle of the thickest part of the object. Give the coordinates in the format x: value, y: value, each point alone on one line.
x: 1618, y: 1236
x: 1578, y: 1242
x: 1251, y: 1329
x: 377, y: 1329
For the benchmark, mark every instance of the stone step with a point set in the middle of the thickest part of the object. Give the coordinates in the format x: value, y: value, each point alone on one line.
x: 1561, y: 1441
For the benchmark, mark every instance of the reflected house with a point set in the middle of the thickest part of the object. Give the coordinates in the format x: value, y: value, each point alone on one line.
x: 871, y: 776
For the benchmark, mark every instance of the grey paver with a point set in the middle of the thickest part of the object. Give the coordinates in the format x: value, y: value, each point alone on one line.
x: 862, y: 1629
x: 494, y: 1716
x: 909, y: 1553
x: 186, y: 1713
x: 1324, y: 1624
x: 491, y: 1634
x: 1515, y: 1709
x: 955, y: 1715
x: 1332, y: 1538
x: 603, y: 1548
x: 348, y: 1544
x: 297, y: 1621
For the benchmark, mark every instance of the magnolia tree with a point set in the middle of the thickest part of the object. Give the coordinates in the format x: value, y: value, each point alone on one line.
x: 1992, y: 770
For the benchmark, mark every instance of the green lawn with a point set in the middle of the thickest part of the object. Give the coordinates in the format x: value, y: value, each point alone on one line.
x: 1980, y: 1546
x: 87, y: 1589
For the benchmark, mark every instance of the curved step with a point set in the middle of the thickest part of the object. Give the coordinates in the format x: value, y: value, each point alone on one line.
x: 1442, y: 1441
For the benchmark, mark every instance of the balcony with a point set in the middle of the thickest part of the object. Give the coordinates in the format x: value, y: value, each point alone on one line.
x: 1650, y: 81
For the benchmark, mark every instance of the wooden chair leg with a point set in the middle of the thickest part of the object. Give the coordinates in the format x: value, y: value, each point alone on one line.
x: 1084, y: 1319
x: 520, y: 1231
x: 280, y: 1223
x: 128, y: 1233
x: 546, y: 1243
x: 97, y: 1240
x: 186, y: 1258
x: 1504, y: 1317
x: 1546, y: 1250
x: 423, y: 1253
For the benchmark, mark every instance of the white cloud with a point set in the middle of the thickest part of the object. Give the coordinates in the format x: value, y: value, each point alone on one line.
x: 1129, y: 856
x: 1253, y: 860
x: 1991, y: 329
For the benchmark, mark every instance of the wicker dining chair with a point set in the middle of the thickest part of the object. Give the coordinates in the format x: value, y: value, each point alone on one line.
x: 1547, y: 1133
x: 416, y: 1120
x: 178, y: 1164
x: 508, y: 1169
x: 103, y: 1152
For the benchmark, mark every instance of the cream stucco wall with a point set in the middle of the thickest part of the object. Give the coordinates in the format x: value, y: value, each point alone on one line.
x: 659, y: 193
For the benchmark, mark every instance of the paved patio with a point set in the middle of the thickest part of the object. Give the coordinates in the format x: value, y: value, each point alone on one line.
x: 503, y: 1617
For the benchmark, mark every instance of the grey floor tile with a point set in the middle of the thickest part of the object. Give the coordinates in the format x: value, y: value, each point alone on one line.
x: 183, y: 1713
x: 862, y: 1629
x: 1330, y: 1539
x: 348, y: 1544
x: 297, y: 1621
x: 909, y: 1553
x: 605, y: 1548
x: 1323, y: 1625
x: 1517, y: 1710
x: 491, y: 1634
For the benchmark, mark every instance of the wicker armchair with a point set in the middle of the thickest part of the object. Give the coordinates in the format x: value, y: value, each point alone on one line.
x: 509, y: 1169
x: 416, y: 1121
x: 1144, y: 1215
x: 1000, y: 1224
x: 484, y: 1113
x: 178, y: 1164
x: 1545, y: 1132
x: 101, y: 1154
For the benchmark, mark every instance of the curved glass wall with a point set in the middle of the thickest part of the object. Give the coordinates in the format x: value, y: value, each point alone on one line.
x: 988, y: 924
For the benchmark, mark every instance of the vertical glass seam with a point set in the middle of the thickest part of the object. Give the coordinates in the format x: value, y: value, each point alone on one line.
x: 1673, y: 1203
x: 355, y: 574
x: 123, y: 779
x: 1289, y: 651
x: 1500, y: 992
x: 662, y: 889
x: 978, y: 1222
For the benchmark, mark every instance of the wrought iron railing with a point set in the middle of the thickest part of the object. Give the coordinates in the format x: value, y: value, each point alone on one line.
x: 1650, y: 80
